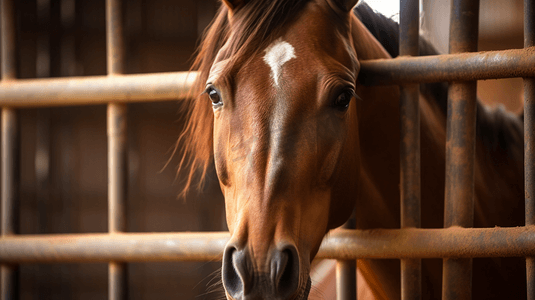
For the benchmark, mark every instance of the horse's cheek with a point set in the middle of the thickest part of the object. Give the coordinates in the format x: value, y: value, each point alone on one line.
x: 331, y: 136
x: 346, y: 183
x: 221, y: 159
x: 232, y: 207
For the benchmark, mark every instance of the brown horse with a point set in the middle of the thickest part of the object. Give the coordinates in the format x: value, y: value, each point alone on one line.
x: 295, y: 148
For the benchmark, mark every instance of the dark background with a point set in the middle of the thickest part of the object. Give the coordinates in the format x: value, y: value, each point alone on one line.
x: 64, y: 150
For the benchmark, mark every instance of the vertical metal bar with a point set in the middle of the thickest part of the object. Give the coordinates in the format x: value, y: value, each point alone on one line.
x: 10, y: 150
x: 411, y: 269
x: 529, y: 141
x: 346, y: 279
x: 460, y: 149
x: 117, y: 147
x: 10, y: 195
x: 9, y: 47
x: 346, y: 272
x: 115, y: 37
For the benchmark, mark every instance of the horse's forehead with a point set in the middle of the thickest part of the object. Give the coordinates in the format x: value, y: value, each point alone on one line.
x: 277, y: 54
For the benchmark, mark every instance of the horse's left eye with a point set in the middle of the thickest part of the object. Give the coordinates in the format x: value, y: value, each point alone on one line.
x: 214, y: 95
x: 342, y: 101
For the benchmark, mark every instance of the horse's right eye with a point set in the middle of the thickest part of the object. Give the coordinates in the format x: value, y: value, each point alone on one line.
x: 214, y: 95
x: 342, y: 101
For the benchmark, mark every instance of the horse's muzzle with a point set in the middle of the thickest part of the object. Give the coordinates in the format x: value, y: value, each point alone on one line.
x: 279, y: 281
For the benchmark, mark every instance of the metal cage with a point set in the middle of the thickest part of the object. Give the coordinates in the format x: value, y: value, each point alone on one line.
x: 455, y: 243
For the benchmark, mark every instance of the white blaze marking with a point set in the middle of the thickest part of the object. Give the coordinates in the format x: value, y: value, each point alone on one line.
x: 277, y: 54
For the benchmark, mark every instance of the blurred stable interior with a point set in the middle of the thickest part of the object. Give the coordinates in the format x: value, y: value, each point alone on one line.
x: 64, y: 150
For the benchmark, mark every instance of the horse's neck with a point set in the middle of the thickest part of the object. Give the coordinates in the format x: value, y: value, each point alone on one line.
x: 499, y: 154
x: 499, y: 169
x: 378, y: 201
x: 498, y: 173
x: 379, y: 133
x: 378, y: 115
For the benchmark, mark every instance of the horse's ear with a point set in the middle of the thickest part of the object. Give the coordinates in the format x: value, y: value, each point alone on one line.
x: 232, y: 4
x: 344, y: 5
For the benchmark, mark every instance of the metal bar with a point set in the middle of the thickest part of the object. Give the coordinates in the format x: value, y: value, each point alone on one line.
x: 10, y: 191
x: 117, y: 167
x: 409, y: 29
x: 117, y: 192
x: 117, y: 148
x: 9, y: 283
x: 449, y: 67
x: 172, y: 86
x: 460, y: 149
x: 10, y: 195
x: 346, y: 272
x: 96, y: 89
x: 9, y: 41
x: 115, y: 37
x: 529, y: 141
x: 204, y: 246
x: 346, y: 279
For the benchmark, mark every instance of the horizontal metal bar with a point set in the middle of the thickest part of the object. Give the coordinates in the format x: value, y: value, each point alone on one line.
x: 121, y: 247
x: 449, y: 67
x: 202, y: 246
x: 430, y: 243
x: 95, y: 89
x: 176, y: 85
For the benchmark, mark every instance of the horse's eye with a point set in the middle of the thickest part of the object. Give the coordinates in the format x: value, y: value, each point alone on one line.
x: 342, y: 101
x: 214, y: 95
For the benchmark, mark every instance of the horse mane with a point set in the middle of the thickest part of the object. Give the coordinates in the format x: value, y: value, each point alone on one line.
x: 498, y: 130
x: 254, y: 24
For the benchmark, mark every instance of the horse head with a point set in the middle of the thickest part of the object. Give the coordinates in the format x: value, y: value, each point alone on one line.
x: 281, y: 86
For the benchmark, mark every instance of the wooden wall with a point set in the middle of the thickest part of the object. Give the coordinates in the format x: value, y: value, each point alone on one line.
x: 64, y: 150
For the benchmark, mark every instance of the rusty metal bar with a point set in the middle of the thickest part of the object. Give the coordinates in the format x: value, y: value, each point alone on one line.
x: 96, y: 89
x: 171, y: 86
x: 117, y: 148
x: 346, y: 272
x: 204, y: 246
x: 460, y: 149
x: 9, y: 278
x: 409, y: 29
x: 449, y: 67
x: 102, y: 247
x: 529, y: 141
x: 176, y: 85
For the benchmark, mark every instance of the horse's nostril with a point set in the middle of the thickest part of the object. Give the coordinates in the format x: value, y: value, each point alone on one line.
x: 232, y: 281
x: 285, y: 271
x: 279, y: 282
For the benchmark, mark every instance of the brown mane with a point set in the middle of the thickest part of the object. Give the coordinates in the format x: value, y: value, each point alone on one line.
x: 254, y: 25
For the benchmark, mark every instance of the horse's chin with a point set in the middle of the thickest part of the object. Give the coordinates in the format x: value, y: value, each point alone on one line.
x: 303, y: 295
x: 306, y: 291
